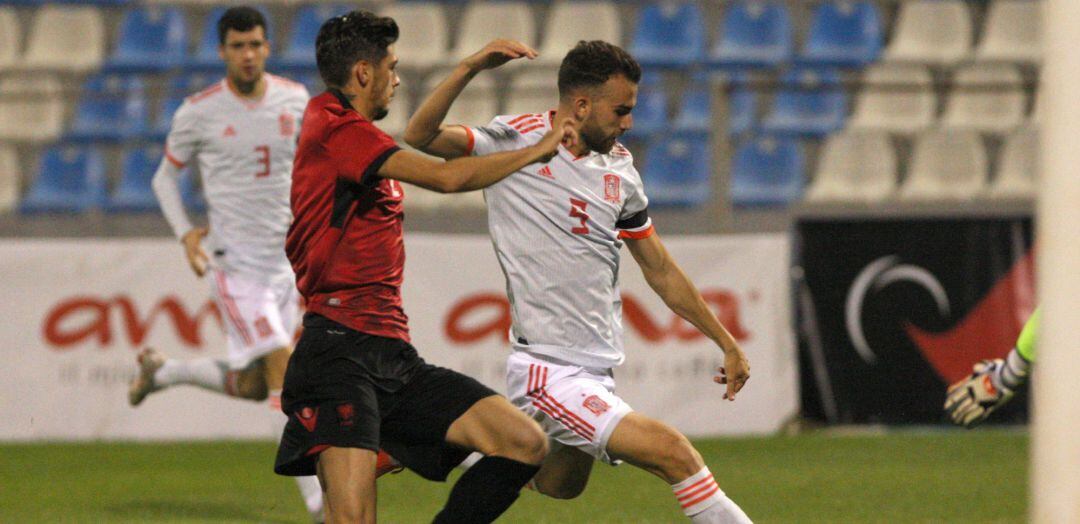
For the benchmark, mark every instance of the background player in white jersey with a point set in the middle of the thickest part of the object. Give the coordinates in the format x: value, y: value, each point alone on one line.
x: 243, y: 131
x: 557, y: 229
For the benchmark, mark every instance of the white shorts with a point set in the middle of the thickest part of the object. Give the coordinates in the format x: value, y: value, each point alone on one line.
x: 259, y: 318
x: 575, y: 405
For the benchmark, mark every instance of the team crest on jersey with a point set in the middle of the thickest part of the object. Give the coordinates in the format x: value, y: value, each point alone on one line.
x: 229, y: 131
x: 595, y: 404
x: 287, y: 124
x: 611, y: 188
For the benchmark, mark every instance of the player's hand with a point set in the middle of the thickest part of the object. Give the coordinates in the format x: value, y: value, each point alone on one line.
x: 196, y: 256
x: 497, y: 53
x: 970, y: 400
x: 563, y: 132
x: 735, y: 372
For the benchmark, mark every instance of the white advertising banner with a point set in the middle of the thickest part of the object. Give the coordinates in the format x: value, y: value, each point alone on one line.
x: 78, y: 311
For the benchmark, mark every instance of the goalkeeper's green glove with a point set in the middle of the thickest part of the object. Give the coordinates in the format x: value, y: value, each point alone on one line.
x: 970, y: 400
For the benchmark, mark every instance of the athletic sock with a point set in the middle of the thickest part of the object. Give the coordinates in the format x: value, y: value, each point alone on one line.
x: 705, y: 503
x: 1014, y: 373
x: 203, y: 372
x: 309, y: 487
x: 485, y: 491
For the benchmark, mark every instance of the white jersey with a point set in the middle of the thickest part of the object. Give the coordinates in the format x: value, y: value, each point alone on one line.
x: 557, y: 230
x: 245, y: 152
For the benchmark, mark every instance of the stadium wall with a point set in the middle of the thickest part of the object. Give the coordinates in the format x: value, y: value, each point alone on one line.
x: 79, y: 310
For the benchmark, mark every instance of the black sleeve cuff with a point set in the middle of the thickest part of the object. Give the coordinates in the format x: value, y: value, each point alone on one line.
x: 634, y: 221
x: 371, y: 174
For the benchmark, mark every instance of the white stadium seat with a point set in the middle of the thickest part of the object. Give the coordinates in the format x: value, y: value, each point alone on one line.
x: 66, y: 38
x: 946, y: 164
x: 475, y: 106
x: 1018, y: 168
x: 533, y: 91
x: 937, y: 32
x: 898, y: 98
x: 571, y: 21
x: 424, y: 36
x: 1013, y: 32
x: 987, y: 98
x: 9, y: 178
x: 486, y: 21
x: 9, y: 38
x: 30, y: 108
x: 855, y: 166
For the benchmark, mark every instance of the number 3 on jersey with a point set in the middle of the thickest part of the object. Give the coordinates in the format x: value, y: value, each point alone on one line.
x: 577, y: 210
x: 262, y: 161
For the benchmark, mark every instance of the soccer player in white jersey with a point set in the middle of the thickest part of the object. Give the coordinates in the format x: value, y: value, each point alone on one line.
x: 242, y: 130
x: 557, y: 229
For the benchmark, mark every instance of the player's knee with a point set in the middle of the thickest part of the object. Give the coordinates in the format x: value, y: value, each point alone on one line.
x: 251, y: 384
x: 678, y: 458
x: 564, y: 491
x: 527, y: 443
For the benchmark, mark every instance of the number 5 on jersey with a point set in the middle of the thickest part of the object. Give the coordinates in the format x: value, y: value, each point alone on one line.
x: 577, y: 210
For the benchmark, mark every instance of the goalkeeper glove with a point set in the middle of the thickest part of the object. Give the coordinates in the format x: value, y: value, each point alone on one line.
x: 972, y: 399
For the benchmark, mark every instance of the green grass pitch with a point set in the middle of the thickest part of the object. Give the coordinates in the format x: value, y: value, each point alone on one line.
x: 948, y: 476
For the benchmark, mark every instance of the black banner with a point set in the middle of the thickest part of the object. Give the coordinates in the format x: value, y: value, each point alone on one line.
x: 892, y: 311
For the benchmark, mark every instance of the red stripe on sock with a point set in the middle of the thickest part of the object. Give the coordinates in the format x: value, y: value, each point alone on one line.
x: 693, y: 486
x: 702, y: 498
x: 693, y: 494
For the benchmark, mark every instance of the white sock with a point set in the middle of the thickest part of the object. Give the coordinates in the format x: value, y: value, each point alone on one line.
x: 203, y: 372
x: 309, y: 487
x: 705, y: 503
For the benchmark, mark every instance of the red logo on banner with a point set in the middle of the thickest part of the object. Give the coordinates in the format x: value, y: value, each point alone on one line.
x: 80, y: 318
x: 493, y: 310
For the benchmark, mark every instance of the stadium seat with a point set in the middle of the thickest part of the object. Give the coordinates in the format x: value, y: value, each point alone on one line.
x: 133, y: 193
x: 9, y: 38
x: 898, y: 98
x: 669, y: 34
x: 395, y: 121
x: 650, y: 113
x: 475, y: 106
x: 206, y: 55
x: 695, y: 106
x: 31, y: 109
x: 572, y: 20
x: 946, y: 164
x: 112, y: 108
x: 678, y: 169
x: 179, y: 88
x: 767, y: 171
x: 987, y: 98
x: 936, y: 32
x: 152, y: 39
x: 1018, y: 168
x: 299, y: 53
x: 424, y: 36
x: 741, y: 104
x: 483, y: 22
x: 843, y: 33
x: 1013, y: 32
x: 810, y: 102
x: 754, y: 33
x: 855, y: 166
x: 9, y: 178
x: 70, y: 179
x: 53, y: 45
x: 532, y: 91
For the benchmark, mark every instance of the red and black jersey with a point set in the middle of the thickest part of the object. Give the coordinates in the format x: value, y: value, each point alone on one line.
x: 345, y: 243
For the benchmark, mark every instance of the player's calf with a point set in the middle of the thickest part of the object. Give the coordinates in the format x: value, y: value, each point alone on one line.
x: 250, y: 383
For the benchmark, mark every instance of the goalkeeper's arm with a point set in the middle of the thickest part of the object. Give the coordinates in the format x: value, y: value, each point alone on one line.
x: 993, y: 382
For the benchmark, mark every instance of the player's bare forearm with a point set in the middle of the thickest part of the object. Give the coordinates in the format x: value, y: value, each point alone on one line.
x: 426, y: 130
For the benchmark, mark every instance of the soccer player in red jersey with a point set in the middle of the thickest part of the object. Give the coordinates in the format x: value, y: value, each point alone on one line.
x: 354, y: 381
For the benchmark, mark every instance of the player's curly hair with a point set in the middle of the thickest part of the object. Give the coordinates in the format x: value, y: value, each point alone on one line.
x: 240, y: 19
x: 345, y: 40
x: 591, y: 63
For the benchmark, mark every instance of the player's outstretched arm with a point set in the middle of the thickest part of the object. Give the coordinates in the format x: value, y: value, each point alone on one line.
x: 669, y: 281
x: 475, y: 172
x: 426, y: 130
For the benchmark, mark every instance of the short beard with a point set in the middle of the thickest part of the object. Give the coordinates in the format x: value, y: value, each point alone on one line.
x: 595, y: 145
x: 246, y: 88
x: 380, y: 113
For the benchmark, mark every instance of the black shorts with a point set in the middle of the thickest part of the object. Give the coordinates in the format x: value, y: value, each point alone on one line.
x: 344, y: 388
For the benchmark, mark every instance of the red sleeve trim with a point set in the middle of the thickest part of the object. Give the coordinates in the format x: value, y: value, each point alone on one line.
x: 173, y: 160
x: 638, y: 235
x: 472, y: 141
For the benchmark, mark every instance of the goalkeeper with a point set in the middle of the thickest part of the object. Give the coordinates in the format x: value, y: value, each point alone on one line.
x: 993, y: 382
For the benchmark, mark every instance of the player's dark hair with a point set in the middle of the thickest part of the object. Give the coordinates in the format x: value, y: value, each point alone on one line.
x: 240, y: 19
x: 590, y: 64
x: 344, y: 40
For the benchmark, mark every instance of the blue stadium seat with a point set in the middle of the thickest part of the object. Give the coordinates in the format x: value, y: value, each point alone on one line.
x: 70, y: 179
x: 844, y: 33
x: 695, y: 110
x: 677, y: 169
x: 299, y: 52
x: 152, y: 39
x: 112, y: 108
x: 767, y: 171
x: 206, y: 55
x: 754, y: 33
x: 192, y: 195
x: 669, y: 35
x: 810, y: 102
x: 180, y: 87
x: 650, y: 113
x: 742, y: 105
x: 133, y: 193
